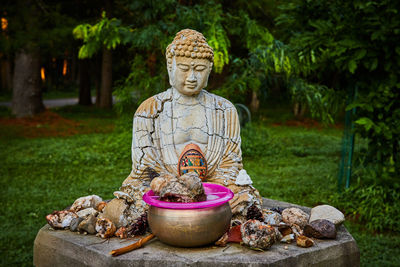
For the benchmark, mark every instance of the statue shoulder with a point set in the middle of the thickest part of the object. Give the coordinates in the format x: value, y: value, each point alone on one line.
x: 220, y: 102
x: 153, y: 105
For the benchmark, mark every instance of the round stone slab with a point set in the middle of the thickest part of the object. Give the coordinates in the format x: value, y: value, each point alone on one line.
x: 66, y: 248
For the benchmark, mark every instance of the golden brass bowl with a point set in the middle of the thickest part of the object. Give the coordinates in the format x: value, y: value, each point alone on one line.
x: 189, y: 227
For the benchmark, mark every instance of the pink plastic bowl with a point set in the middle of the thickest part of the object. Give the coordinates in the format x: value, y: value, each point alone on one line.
x: 216, y: 196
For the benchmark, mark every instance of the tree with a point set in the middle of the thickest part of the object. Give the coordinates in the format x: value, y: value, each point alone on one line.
x: 35, y: 28
x: 354, y: 44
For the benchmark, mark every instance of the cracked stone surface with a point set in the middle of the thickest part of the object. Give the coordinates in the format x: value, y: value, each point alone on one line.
x: 165, y: 123
x: 65, y: 248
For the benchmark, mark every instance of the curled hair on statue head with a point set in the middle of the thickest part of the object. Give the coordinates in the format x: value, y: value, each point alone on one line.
x: 191, y: 44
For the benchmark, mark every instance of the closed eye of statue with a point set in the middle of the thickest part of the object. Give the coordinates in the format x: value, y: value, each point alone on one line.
x: 200, y: 67
x: 183, y: 67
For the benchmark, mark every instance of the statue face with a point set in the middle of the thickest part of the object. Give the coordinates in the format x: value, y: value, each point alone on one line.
x: 189, y: 75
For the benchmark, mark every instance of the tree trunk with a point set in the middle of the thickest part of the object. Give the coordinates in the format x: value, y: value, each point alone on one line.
x: 84, y: 83
x: 27, y: 96
x: 6, y: 76
x: 255, y: 103
x: 106, y: 80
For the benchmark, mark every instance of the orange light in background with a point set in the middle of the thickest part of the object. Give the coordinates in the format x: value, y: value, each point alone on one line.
x: 65, y: 67
x: 4, y: 24
x: 42, y: 74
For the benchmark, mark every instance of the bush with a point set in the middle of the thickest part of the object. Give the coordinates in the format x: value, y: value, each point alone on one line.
x: 375, y: 206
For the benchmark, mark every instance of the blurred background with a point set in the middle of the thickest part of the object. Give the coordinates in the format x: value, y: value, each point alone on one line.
x: 320, y: 79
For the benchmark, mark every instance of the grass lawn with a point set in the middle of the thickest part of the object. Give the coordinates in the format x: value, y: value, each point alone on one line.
x: 47, y: 172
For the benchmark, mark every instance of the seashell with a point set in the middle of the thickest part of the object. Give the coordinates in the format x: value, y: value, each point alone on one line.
x: 61, y: 219
x: 105, y: 228
x: 288, y: 238
x: 304, y: 242
x: 187, y: 54
x: 85, y: 202
x: 192, y: 159
x: 101, y: 206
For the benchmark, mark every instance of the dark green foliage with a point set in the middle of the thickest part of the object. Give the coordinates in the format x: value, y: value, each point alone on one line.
x: 350, y: 44
x: 377, y: 206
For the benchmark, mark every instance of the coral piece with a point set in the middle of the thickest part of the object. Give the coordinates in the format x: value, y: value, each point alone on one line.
x: 256, y: 234
x: 85, y: 202
x: 61, y: 219
x: 295, y: 216
x: 304, y: 242
x: 186, y: 188
x: 320, y: 229
x: 105, y: 228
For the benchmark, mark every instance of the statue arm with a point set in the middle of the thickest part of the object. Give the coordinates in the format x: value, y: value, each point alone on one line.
x: 230, y: 166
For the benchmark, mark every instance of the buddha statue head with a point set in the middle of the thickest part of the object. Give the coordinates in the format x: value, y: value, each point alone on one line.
x: 189, y: 62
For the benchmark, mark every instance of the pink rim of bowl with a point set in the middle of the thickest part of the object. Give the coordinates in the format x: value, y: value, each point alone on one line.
x: 216, y: 196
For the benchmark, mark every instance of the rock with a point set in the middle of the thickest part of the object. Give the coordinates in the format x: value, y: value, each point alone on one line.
x: 105, y: 228
x: 75, y: 223
x: 86, y: 212
x: 320, y: 229
x: 327, y: 212
x: 243, y: 178
x: 88, y: 225
x: 288, y: 238
x: 85, y: 202
x: 256, y: 234
x: 61, y: 219
x: 271, y: 217
x: 116, y: 211
x: 304, y: 242
x: 295, y: 216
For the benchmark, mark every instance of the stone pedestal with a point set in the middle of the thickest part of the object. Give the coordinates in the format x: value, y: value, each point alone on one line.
x: 65, y: 248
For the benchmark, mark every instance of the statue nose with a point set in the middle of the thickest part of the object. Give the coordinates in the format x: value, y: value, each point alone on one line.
x: 191, y: 77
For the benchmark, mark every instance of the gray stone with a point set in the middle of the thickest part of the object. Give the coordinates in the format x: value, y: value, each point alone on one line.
x: 326, y: 212
x: 75, y: 223
x: 65, y: 248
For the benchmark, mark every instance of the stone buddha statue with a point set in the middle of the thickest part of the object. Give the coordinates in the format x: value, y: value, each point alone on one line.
x: 187, y: 117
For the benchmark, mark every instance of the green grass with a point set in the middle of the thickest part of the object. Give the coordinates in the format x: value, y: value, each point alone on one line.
x: 293, y: 164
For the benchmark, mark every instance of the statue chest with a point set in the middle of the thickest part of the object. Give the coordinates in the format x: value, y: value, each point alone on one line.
x: 189, y: 126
